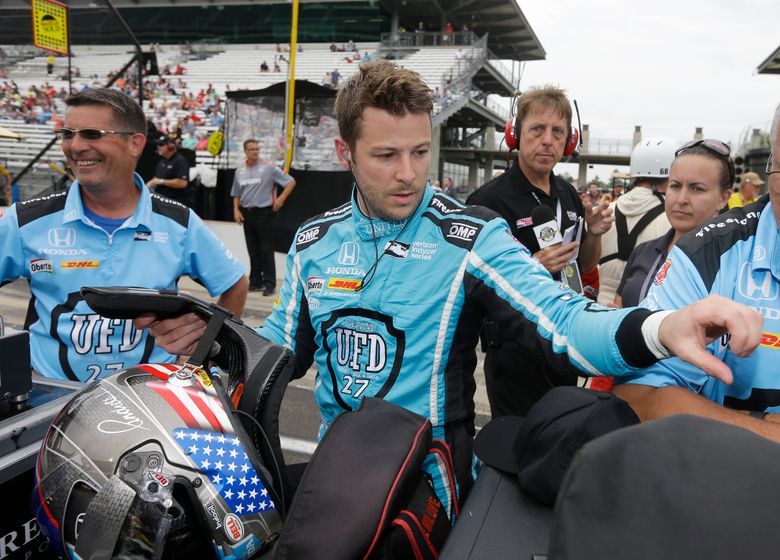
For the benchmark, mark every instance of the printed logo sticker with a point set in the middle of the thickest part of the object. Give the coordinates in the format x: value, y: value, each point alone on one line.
x: 664, y: 270
x: 62, y: 237
x: 314, y: 284
x: 234, y: 529
x: 41, y: 265
x: 349, y: 254
x: 344, y: 284
x: 80, y: 264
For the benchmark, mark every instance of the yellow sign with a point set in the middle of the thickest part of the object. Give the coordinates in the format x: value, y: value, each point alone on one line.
x: 50, y: 25
x: 215, y: 143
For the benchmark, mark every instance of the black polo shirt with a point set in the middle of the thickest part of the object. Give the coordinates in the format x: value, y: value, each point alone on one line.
x: 513, y: 197
x: 516, y: 372
x: 174, y: 168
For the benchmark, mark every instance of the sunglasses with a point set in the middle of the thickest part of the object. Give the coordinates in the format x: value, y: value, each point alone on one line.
x: 717, y: 147
x: 86, y: 133
x: 769, y: 170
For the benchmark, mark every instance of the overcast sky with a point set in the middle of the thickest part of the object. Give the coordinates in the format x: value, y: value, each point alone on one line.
x: 668, y: 65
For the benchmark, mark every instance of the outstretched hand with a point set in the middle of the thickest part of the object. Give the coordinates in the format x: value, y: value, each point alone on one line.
x: 688, y: 331
x: 598, y: 217
x: 179, y: 335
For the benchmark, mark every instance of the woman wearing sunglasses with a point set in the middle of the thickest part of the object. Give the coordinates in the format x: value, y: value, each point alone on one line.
x: 700, y: 181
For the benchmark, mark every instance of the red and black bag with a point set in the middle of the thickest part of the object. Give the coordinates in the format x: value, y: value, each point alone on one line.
x: 364, y: 494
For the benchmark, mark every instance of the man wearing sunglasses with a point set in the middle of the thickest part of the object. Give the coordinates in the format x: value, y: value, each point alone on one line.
x: 733, y: 255
x: 106, y: 230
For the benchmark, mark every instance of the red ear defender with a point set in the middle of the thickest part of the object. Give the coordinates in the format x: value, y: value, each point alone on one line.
x: 571, y: 142
x: 509, y: 134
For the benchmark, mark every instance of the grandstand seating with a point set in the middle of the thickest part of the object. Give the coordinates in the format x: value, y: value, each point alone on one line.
x: 236, y: 67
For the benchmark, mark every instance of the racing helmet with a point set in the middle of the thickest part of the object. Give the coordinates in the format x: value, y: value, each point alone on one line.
x: 149, y: 463
x: 653, y: 157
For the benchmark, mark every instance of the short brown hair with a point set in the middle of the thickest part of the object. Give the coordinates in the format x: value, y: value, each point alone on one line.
x: 549, y: 97
x: 382, y: 85
x: 127, y: 112
x: 250, y: 141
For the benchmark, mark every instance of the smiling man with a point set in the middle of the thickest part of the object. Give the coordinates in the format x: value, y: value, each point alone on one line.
x: 386, y: 293
x: 106, y: 230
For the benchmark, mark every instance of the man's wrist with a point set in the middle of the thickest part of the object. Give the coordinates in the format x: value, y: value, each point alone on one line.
x: 651, y: 328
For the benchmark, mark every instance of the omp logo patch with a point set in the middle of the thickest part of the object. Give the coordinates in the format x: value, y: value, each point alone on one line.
x: 662, y: 272
x: 80, y: 264
x: 41, y: 265
x: 309, y: 235
x: 462, y: 231
x: 142, y: 235
x: 770, y: 340
x: 345, y: 284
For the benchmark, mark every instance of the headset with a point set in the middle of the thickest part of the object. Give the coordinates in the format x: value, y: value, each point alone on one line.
x: 573, y: 139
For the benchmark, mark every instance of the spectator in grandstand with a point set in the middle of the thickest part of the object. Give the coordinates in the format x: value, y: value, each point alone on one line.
x: 217, y: 118
x: 106, y: 230
x: 335, y: 76
x: 254, y: 204
x: 699, y: 186
x: 419, y: 34
x: 733, y: 255
x: 542, y: 130
x: 747, y: 191
x: 276, y: 67
x: 172, y: 176
x: 447, y: 32
x: 351, y: 46
x: 639, y: 215
x: 6, y: 176
x: 264, y: 66
x: 50, y: 64
x: 326, y: 81
x: 385, y: 293
x: 366, y: 57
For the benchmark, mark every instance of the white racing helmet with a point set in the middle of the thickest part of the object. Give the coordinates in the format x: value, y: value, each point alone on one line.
x: 652, y: 157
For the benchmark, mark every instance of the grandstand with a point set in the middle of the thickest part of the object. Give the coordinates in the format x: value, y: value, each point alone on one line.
x: 467, y: 71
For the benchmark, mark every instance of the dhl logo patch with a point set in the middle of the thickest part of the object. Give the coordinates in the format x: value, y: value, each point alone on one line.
x: 770, y: 340
x: 80, y: 264
x: 346, y: 284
